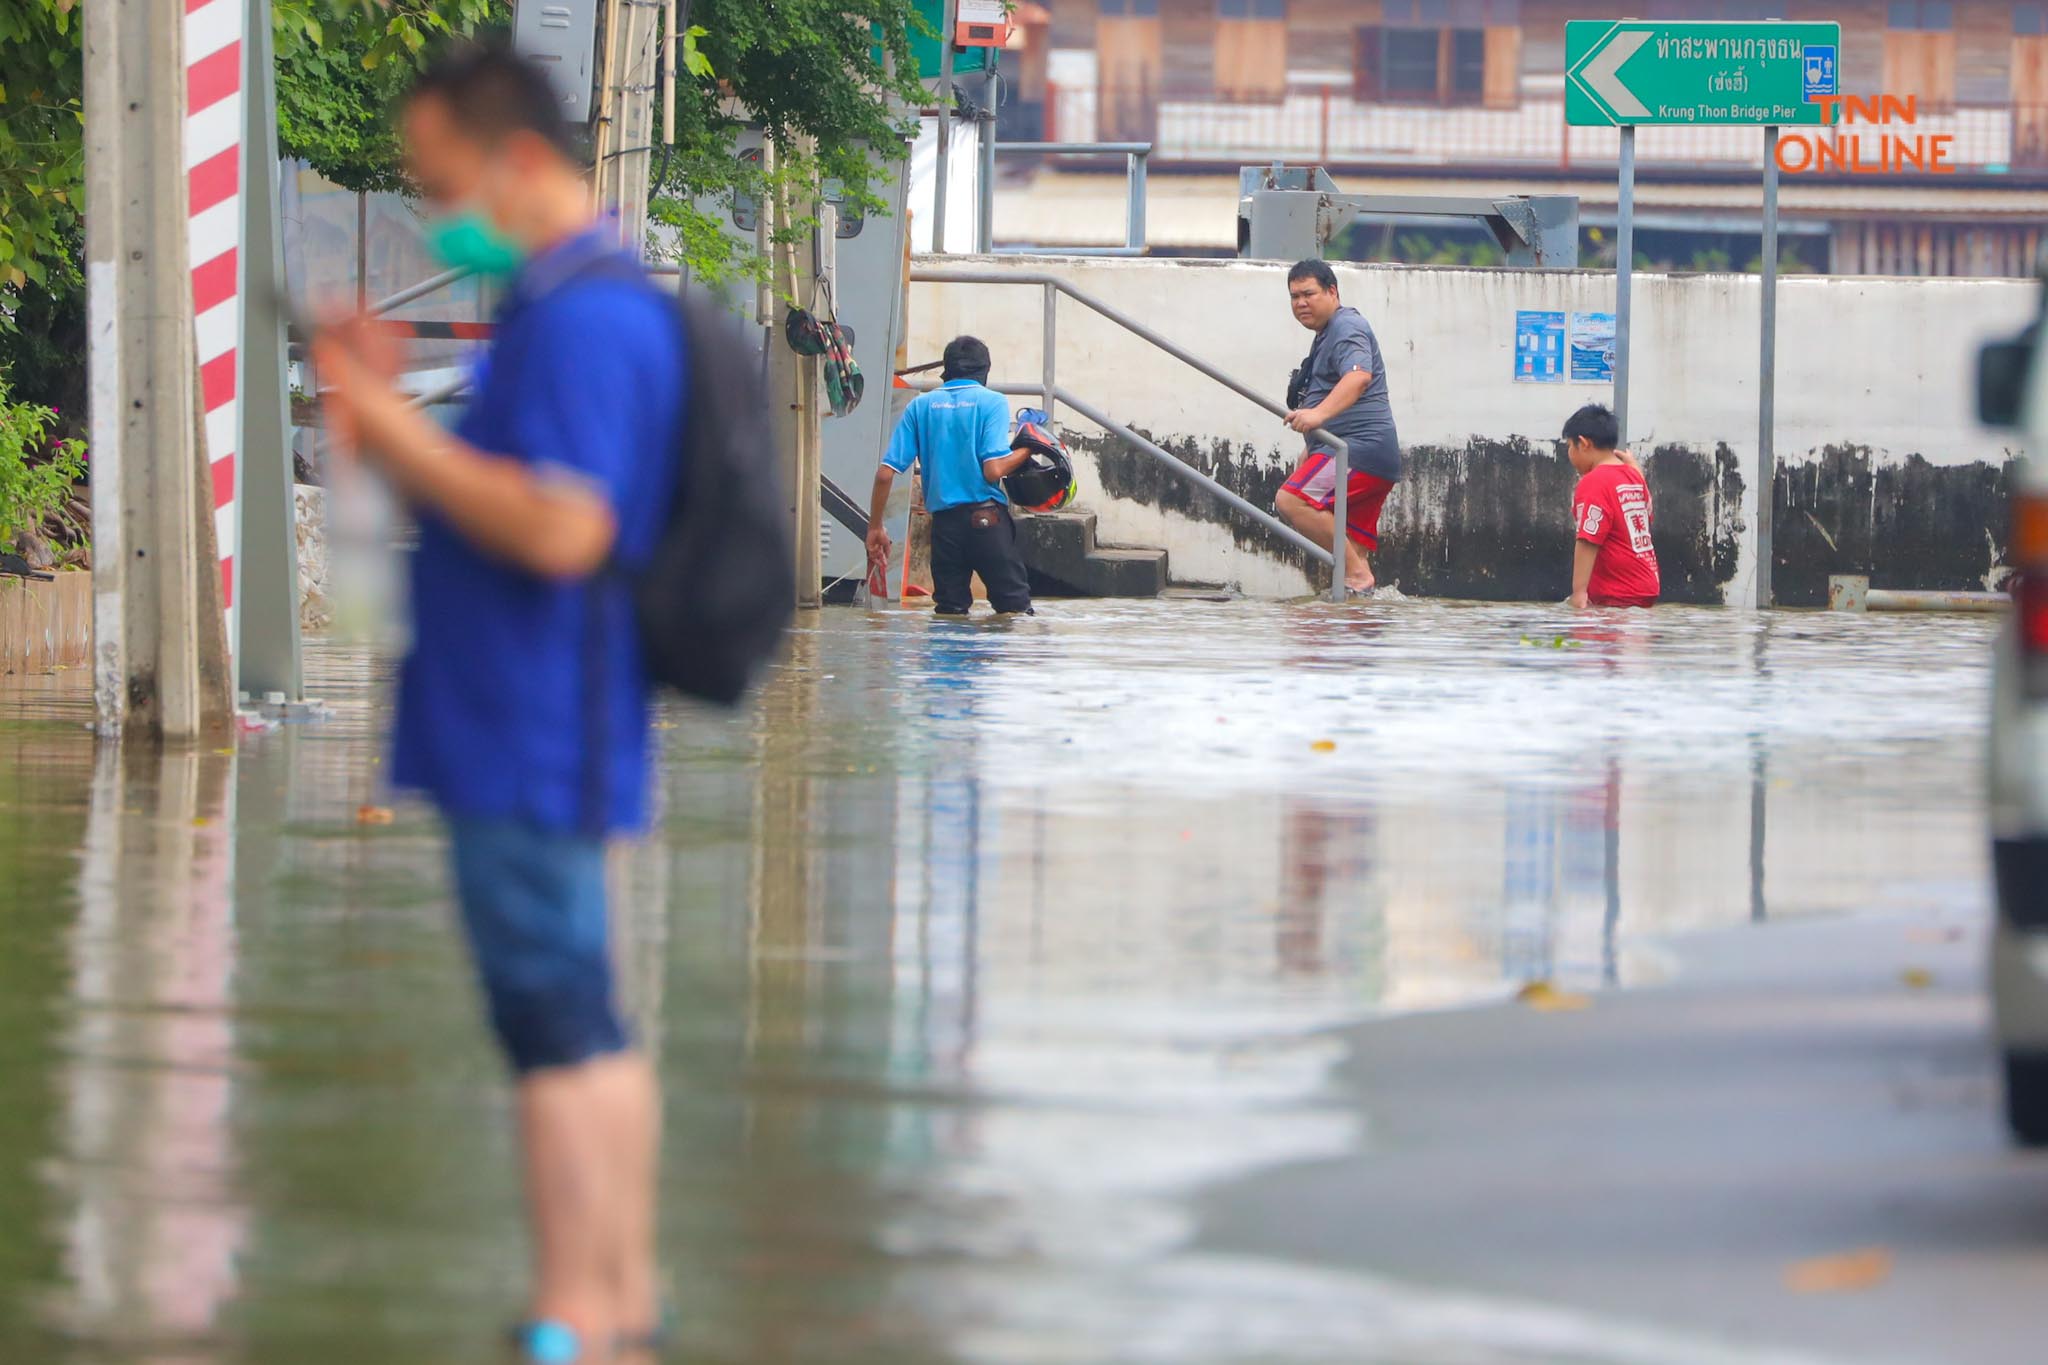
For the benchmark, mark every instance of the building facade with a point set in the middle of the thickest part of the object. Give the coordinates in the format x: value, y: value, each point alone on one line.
x: 1474, y: 90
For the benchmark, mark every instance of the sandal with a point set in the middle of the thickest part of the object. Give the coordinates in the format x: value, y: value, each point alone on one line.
x: 547, y: 1342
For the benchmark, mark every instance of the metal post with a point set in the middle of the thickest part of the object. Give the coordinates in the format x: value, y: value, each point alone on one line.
x: 1340, y: 546
x: 633, y: 145
x: 362, y: 251
x: 985, y: 206
x: 1134, y: 212
x: 1767, y: 379
x: 951, y: 21
x: 266, y: 652
x: 1624, y: 266
x: 160, y: 666
x: 1048, y: 348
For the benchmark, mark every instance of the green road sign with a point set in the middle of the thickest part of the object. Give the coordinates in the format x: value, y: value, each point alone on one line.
x: 1707, y: 73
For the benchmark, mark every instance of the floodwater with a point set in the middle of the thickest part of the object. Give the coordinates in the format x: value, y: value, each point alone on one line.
x: 970, y: 954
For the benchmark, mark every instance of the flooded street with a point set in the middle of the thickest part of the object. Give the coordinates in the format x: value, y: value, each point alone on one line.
x: 974, y: 957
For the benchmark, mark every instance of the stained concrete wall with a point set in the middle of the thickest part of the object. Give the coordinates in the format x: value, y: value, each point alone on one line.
x: 1882, y: 467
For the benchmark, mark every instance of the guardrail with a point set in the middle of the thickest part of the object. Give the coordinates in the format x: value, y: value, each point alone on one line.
x: 1052, y: 394
x: 1135, y: 154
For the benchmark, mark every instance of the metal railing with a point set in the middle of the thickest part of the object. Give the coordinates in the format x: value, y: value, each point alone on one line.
x: 1051, y: 394
x: 1328, y: 125
x: 1135, y: 154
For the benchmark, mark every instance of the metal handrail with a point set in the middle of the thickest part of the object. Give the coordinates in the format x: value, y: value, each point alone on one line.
x: 1051, y: 393
x: 1135, y: 156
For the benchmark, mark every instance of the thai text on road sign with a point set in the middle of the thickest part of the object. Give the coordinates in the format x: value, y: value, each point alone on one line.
x: 1699, y: 73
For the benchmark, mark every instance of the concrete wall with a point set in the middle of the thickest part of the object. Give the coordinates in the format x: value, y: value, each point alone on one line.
x: 1882, y: 467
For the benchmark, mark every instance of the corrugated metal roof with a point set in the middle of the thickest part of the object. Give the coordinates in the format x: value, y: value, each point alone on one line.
x: 1076, y: 209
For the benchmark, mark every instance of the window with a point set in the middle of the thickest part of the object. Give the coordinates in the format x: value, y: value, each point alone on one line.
x: 1250, y: 51
x: 2030, y: 85
x: 1442, y: 52
x: 746, y: 209
x: 1923, y: 16
x: 1724, y: 9
x: 1130, y: 9
x: 1920, y: 51
x: 1410, y: 70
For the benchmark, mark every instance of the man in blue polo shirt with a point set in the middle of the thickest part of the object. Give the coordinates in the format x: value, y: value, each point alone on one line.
x: 523, y: 705
x: 959, y: 435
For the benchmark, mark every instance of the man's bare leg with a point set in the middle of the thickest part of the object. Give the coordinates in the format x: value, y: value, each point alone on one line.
x: 564, y: 1140
x: 1321, y: 527
x: 631, y: 1104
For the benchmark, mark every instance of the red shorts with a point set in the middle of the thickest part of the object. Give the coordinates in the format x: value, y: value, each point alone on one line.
x: 1315, y: 483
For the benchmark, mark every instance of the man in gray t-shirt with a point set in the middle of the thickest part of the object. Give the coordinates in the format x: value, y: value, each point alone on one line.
x: 1342, y: 388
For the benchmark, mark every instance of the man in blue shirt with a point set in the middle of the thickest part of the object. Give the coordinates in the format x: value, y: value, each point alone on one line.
x: 959, y: 435
x: 523, y: 705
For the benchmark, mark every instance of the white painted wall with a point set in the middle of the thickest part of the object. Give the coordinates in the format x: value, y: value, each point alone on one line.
x: 1887, y: 363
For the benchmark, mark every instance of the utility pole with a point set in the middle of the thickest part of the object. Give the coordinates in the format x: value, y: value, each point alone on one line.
x: 626, y: 137
x: 160, y: 665
x: 795, y: 391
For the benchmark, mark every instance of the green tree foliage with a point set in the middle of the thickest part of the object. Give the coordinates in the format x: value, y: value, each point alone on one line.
x: 42, y: 147
x: 832, y: 83
x: 815, y: 74
x: 342, y: 64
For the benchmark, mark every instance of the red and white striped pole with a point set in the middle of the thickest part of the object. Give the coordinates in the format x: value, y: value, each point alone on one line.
x: 214, y: 175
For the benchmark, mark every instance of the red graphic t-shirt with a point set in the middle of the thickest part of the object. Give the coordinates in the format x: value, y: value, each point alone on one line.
x: 1611, y: 509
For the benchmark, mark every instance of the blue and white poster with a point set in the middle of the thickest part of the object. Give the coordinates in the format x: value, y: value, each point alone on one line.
x: 1539, y: 347
x: 1592, y: 348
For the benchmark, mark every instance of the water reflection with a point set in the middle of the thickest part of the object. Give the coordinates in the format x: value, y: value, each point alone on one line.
x: 148, y: 1155
x: 969, y: 954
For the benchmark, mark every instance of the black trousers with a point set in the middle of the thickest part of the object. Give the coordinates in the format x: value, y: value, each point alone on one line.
x: 977, y: 539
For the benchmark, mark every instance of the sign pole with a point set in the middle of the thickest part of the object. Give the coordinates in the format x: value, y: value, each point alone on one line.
x: 267, y: 651
x: 1767, y: 386
x: 1624, y: 265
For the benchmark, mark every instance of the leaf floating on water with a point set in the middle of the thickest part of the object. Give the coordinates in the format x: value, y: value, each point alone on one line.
x: 1845, y: 1273
x: 373, y: 815
x: 1324, y: 746
x: 1917, y: 978
x: 1548, y: 999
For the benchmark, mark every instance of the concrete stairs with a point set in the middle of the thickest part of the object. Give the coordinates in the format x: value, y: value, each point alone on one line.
x: 1060, y: 550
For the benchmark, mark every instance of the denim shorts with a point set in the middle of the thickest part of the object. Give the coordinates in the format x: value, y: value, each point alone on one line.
x: 533, y: 903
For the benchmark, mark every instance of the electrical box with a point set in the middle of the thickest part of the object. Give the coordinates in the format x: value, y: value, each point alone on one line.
x: 982, y: 23
x: 562, y: 36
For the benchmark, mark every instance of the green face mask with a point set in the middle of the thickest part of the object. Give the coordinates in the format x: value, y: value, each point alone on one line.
x: 466, y: 241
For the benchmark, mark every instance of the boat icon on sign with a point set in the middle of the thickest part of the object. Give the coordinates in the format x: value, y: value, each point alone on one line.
x: 1819, y: 70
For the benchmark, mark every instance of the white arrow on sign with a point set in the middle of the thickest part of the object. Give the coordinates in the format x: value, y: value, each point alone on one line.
x: 1603, y: 74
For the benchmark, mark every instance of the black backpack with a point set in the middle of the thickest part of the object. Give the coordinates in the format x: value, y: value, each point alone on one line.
x: 719, y: 588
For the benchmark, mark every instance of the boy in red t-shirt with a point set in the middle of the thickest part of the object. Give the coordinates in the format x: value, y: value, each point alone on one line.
x: 1613, y: 562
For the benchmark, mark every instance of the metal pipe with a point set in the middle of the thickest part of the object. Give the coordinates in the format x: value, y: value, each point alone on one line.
x: 1900, y: 599
x: 1196, y: 476
x: 1047, y: 347
x: 1027, y: 249
x: 1167, y: 457
x: 1767, y: 379
x: 949, y: 21
x: 1341, y: 450
x: 417, y: 291
x: 668, y: 61
x: 1129, y: 324
x: 985, y: 204
x: 1136, y: 158
x: 1078, y: 148
x: 1624, y: 266
x: 1134, y: 210
x: 1340, y: 525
